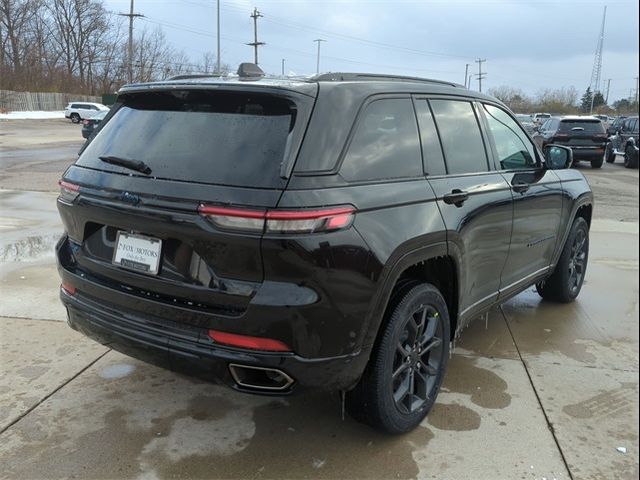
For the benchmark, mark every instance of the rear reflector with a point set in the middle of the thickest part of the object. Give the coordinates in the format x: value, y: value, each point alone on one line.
x: 279, y: 221
x: 68, y: 288
x: 245, y: 341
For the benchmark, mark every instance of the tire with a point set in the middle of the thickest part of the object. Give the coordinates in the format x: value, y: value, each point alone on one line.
x: 597, y: 163
x: 630, y: 157
x: 610, y: 153
x: 75, y: 118
x: 398, y: 405
x: 567, y: 279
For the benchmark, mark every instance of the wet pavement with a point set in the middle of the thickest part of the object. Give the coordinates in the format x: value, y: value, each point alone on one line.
x: 538, y: 391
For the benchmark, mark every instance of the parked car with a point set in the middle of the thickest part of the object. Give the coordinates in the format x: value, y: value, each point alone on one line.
x: 334, y: 233
x: 77, y: 111
x: 624, y: 142
x: 615, y: 125
x: 527, y: 122
x: 540, y: 118
x: 90, y: 124
x: 584, y: 135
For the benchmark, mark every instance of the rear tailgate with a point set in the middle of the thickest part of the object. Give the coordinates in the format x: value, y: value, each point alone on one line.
x: 201, y: 146
x: 589, y: 133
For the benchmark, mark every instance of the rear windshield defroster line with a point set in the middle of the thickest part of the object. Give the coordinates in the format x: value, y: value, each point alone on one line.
x: 224, y: 138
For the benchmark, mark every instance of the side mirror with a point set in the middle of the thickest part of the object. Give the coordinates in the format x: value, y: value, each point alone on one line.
x: 558, y: 157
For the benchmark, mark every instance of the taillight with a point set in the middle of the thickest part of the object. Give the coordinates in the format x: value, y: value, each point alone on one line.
x: 245, y: 341
x: 68, y: 191
x: 279, y: 221
x: 68, y: 288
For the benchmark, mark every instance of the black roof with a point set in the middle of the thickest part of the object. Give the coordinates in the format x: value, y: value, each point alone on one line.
x: 309, y: 85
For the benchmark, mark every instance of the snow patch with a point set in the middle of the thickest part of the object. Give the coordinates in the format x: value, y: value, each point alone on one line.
x: 35, y: 115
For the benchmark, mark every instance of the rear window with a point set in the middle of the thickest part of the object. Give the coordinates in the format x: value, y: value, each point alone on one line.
x: 225, y: 138
x: 585, y: 126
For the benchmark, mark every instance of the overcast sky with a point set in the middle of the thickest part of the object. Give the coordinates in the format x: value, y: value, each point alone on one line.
x: 527, y: 44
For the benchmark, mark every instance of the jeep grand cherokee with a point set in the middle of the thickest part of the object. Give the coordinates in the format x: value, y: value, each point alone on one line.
x: 331, y: 233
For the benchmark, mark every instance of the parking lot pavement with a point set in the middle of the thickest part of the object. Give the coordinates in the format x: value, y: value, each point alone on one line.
x: 538, y: 390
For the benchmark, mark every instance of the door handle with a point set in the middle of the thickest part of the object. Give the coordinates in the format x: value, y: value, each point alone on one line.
x: 520, y: 187
x: 456, y: 197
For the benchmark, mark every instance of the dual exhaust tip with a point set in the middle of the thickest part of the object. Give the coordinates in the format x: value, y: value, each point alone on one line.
x: 260, y: 378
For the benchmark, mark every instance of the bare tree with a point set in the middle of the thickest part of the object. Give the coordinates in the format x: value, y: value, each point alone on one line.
x: 512, y: 97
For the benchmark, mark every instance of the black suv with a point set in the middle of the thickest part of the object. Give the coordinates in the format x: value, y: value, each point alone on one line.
x: 331, y: 233
x: 625, y: 142
x: 586, y: 136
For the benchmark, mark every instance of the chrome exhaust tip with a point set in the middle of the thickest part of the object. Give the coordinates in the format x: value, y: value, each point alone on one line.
x: 260, y: 378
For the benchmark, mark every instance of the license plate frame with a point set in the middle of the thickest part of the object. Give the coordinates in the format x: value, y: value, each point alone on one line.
x: 138, y: 253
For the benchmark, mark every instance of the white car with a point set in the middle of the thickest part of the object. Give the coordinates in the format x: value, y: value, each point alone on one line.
x: 78, y: 111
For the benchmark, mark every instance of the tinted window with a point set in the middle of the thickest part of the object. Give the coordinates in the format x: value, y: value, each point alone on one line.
x: 75, y: 105
x: 512, y: 145
x: 581, y: 126
x: 460, y: 136
x: 431, y: 150
x: 385, y: 143
x: 635, y: 126
x: 201, y: 136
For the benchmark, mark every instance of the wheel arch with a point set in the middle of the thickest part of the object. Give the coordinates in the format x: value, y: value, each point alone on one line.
x: 432, y: 264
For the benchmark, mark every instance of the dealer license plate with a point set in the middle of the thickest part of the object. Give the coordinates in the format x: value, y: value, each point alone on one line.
x: 137, y: 252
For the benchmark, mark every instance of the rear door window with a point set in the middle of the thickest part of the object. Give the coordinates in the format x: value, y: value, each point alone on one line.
x: 201, y: 136
x: 385, y: 144
x: 460, y: 135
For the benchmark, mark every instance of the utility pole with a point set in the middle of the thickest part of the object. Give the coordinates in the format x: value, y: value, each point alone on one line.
x: 466, y: 74
x: 131, y: 16
x: 255, y: 15
x: 606, y: 98
x: 636, y: 91
x: 218, y: 35
x: 469, y: 81
x: 481, y: 76
x: 283, y: 67
x: 318, y: 41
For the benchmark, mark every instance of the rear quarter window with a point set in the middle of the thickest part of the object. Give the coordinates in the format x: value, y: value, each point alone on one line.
x: 385, y: 144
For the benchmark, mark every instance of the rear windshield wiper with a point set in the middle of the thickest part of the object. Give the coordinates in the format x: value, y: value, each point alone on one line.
x: 131, y: 164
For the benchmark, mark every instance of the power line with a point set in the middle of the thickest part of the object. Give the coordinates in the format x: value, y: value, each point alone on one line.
x: 255, y: 44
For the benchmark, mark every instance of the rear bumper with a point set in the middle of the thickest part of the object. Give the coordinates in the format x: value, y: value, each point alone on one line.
x: 187, y: 349
x: 587, y: 153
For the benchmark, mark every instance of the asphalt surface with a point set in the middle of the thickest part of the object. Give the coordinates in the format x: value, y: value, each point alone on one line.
x: 537, y: 391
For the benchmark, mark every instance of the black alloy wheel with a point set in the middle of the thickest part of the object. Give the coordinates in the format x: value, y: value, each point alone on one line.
x: 577, y: 261
x: 408, y: 363
x: 418, y: 359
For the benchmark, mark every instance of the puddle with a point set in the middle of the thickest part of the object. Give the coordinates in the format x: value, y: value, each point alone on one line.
x: 451, y: 416
x: 118, y: 370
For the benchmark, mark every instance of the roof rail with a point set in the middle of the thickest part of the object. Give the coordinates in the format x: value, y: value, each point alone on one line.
x: 188, y: 76
x: 355, y: 77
